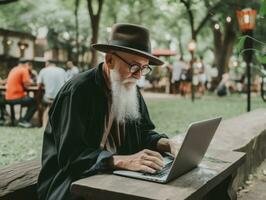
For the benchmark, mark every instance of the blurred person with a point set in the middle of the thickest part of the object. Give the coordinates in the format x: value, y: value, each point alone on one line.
x: 223, y: 87
x: 17, y: 81
x: 155, y: 76
x: 177, y: 68
x: 72, y: 70
x: 51, y: 78
x: 202, y: 78
x: 185, y: 80
x: 99, y: 120
x: 256, y: 86
x: 208, y: 73
x: 213, y: 74
x: 166, y: 77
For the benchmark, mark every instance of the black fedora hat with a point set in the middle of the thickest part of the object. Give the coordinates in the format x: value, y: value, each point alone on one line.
x: 132, y: 39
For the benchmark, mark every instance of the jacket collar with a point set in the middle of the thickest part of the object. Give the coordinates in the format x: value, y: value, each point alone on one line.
x: 99, y: 79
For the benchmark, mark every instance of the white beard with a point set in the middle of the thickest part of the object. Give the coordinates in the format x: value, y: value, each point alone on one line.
x: 125, y: 104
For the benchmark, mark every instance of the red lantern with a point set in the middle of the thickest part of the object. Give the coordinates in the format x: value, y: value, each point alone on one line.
x: 246, y: 19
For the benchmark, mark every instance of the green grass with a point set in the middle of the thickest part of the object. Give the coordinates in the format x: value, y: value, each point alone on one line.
x: 170, y: 116
x: 17, y: 144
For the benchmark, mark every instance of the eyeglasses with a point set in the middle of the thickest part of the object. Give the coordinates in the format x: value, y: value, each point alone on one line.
x: 134, y: 68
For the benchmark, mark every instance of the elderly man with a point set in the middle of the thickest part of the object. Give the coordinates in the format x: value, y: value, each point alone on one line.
x: 99, y: 120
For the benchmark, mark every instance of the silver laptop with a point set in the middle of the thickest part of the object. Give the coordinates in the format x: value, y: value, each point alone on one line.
x: 191, y: 152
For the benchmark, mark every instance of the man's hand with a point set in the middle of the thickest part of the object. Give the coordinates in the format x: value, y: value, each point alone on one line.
x: 174, y: 147
x: 168, y: 145
x: 145, y: 161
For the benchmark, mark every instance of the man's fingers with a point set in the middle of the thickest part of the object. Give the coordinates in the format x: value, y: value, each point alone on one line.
x: 151, y: 164
x: 145, y: 168
x: 153, y: 153
x: 154, y: 160
x: 154, y: 157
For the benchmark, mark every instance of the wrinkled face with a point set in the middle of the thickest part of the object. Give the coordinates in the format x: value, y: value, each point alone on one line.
x: 120, y: 62
x: 125, y: 104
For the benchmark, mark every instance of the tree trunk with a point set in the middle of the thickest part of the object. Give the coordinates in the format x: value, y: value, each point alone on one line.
x: 77, y: 30
x: 224, y: 48
x: 95, y: 20
x: 195, y: 31
x: 94, y: 39
x: 5, y: 45
x: 181, y: 50
x: 217, y: 36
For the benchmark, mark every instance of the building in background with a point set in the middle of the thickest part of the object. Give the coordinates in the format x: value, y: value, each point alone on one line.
x: 15, y: 45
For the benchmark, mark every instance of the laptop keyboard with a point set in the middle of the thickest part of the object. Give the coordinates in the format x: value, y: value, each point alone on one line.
x: 160, y: 173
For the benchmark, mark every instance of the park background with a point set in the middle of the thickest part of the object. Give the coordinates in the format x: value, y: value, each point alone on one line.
x: 63, y: 30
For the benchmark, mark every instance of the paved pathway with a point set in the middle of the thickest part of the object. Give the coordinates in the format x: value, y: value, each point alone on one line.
x: 256, y: 187
x: 256, y: 192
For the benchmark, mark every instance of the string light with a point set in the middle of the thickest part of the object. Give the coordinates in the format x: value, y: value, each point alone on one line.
x: 9, y: 42
x: 217, y: 26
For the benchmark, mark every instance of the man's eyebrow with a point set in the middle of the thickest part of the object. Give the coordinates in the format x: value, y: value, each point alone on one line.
x: 135, y: 62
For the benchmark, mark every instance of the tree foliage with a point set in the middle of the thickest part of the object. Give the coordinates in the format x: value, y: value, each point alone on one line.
x: 172, y: 22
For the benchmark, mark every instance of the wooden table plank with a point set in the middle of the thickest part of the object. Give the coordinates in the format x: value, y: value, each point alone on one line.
x: 217, y: 166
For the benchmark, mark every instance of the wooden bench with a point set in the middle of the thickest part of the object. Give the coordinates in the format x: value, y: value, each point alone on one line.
x: 18, y: 181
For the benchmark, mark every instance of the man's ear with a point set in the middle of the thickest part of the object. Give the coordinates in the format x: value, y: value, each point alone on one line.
x: 109, y: 60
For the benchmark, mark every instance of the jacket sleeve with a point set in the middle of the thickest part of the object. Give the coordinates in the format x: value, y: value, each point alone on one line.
x: 69, y: 117
x: 149, y: 136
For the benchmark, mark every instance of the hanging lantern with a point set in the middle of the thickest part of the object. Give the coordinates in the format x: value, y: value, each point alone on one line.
x: 246, y: 19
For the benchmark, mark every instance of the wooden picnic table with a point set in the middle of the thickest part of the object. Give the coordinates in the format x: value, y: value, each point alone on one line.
x: 211, y: 180
x: 37, y: 95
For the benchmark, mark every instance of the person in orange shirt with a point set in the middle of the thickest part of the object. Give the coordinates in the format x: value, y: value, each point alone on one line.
x: 18, y: 79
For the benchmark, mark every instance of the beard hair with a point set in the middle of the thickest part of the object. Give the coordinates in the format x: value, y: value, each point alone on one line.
x: 125, y: 104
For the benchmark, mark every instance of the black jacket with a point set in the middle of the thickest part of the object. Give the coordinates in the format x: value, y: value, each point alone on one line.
x: 71, y: 143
